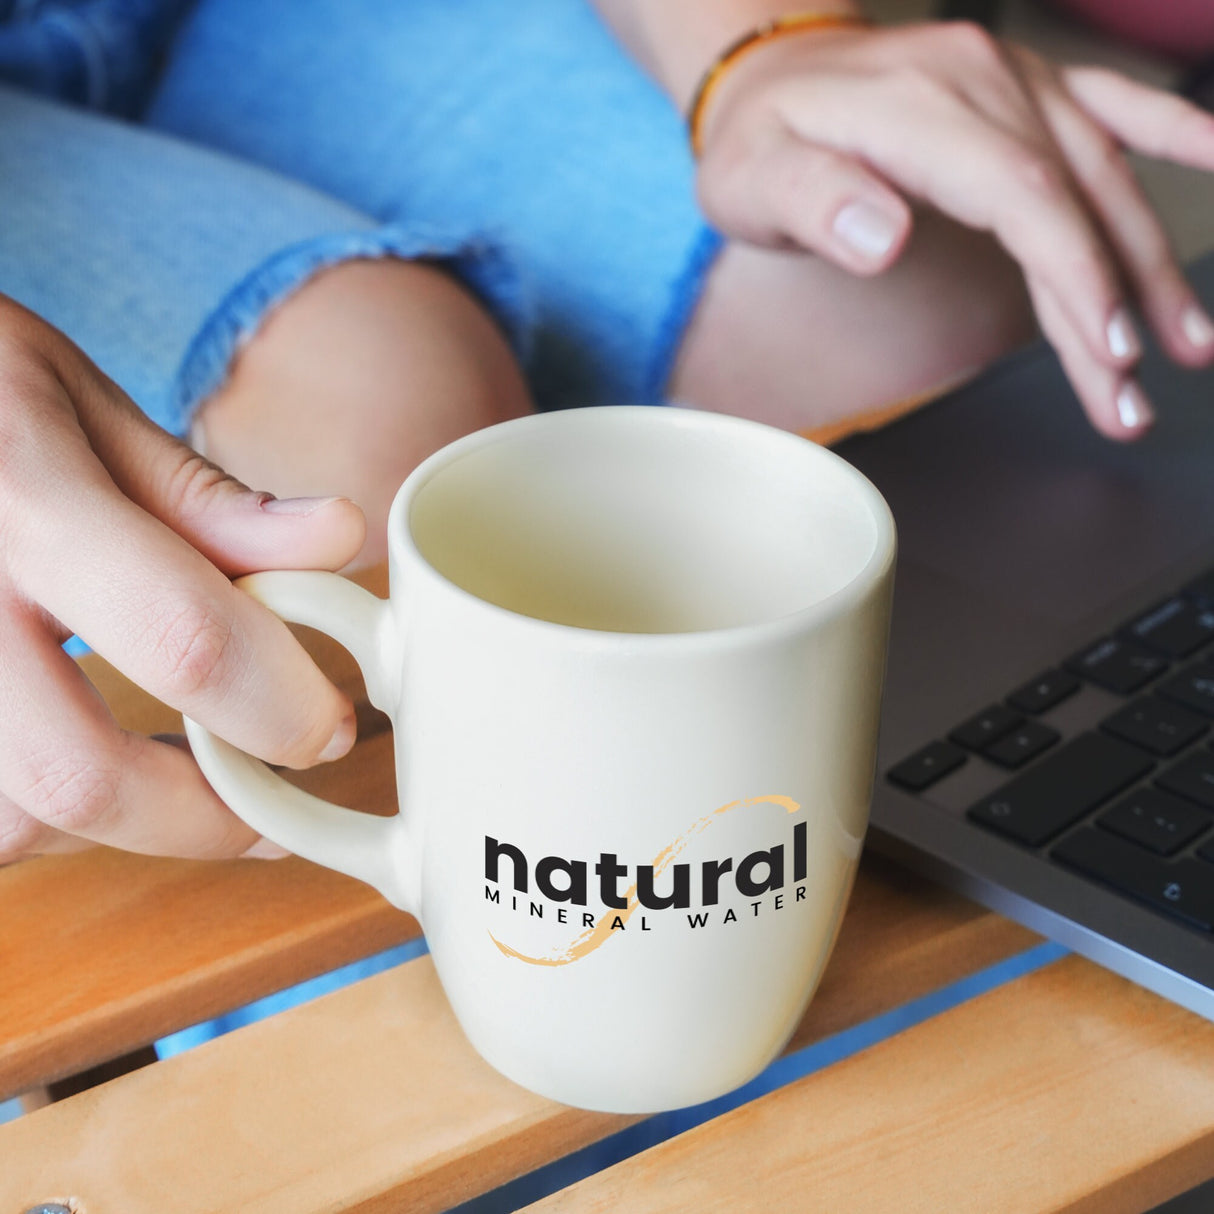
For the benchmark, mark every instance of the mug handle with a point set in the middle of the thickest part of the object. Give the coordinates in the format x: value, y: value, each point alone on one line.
x: 360, y: 845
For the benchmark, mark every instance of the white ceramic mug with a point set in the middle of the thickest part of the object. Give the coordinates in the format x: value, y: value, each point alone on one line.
x: 633, y: 660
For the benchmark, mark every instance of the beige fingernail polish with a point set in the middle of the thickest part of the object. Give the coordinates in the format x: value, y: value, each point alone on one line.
x: 1123, y: 340
x: 263, y: 849
x: 1133, y: 408
x: 341, y: 741
x: 867, y: 229
x: 1197, y: 328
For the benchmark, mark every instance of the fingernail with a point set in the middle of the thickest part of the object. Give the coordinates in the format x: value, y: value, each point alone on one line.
x: 296, y: 507
x: 1197, y: 328
x: 341, y: 741
x: 1120, y: 334
x: 1133, y: 407
x: 867, y: 229
x: 263, y: 849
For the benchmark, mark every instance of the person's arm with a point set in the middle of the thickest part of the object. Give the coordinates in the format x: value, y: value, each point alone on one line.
x: 822, y: 139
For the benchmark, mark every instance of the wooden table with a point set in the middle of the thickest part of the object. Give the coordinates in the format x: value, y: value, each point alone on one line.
x: 1065, y: 1088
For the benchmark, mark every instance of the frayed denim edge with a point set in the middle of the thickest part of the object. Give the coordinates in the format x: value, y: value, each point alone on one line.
x: 478, y: 264
x: 685, y: 295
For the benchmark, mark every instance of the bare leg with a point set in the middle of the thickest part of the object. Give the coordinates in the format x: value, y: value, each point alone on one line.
x: 360, y: 375
x: 789, y: 339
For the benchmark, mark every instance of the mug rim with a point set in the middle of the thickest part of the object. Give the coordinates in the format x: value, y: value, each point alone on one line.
x: 403, y: 551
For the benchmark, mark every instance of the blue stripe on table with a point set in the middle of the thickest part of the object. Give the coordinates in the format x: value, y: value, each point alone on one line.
x: 293, y: 996
x: 785, y: 1070
x: 636, y: 1138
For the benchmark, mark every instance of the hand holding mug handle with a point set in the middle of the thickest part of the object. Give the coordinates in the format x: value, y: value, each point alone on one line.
x: 360, y: 845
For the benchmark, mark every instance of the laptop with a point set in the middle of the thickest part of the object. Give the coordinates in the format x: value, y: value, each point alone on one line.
x: 1047, y: 743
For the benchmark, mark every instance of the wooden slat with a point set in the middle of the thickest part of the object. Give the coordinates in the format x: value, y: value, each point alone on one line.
x: 101, y: 951
x: 1067, y: 1090
x: 370, y: 1099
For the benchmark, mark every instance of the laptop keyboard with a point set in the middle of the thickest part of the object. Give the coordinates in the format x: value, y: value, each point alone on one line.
x: 1129, y: 804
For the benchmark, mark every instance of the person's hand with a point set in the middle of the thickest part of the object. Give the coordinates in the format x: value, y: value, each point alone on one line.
x: 816, y: 140
x: 112, y: 529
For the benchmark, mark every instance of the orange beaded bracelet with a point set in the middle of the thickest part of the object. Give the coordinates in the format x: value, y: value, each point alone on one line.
x: 777, y: 27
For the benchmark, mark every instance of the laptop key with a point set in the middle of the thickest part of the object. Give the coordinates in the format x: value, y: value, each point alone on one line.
x: 985, y: 727
x: 1182, y: 888
x: 1064, y: 787
x: 1206, y: 851
x: 1192, y: 687
x: 1117, y: 665
x: 926, y: 766
x: 1043, y: 692
x: 1202, y: 589
x: 1192, y: 778
x: 1157, y: 726
x: 1155, y: 820
x: 1176, y: 629
x: 1022, y: 744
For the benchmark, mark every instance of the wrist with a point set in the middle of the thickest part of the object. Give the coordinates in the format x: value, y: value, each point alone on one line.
x: 676, y: 40
x: 760, y: 44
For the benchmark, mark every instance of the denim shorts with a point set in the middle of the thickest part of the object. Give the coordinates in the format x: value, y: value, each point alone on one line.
x: 515, y: 143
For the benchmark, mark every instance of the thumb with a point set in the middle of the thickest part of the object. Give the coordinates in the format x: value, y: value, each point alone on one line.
x: 785, y: 191
x: 236, y: 528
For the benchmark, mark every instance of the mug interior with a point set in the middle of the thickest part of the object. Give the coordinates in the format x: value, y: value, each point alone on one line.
x: 642, y: 520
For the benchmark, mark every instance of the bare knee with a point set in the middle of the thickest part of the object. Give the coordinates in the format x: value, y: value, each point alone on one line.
x: 792, y: 340
x: 366, y: 370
